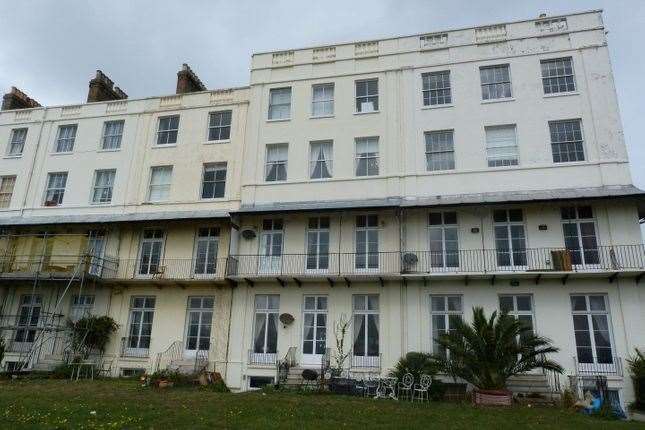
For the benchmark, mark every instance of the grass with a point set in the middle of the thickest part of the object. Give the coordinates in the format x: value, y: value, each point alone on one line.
x: 117, y: 404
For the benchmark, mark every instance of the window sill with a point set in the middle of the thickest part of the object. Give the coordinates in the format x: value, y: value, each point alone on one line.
x: 320, y: 179
x: 367, y: 113
x: 50, y: 206
x: 571, y: 93
x: 279, y: 120
x: 148, y: 202
x: 61, y: 153
x: 217, y: 142
x: 170, y: 145
x: 447, y: 105
x: 100, y: 204
x: 8, y: 157
x: 212, y: 199
x: 503, y: 100
x: 321, y: 116
x: 109, y: 150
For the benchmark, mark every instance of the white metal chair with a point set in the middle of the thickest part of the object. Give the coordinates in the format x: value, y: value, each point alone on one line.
x: 386, y: 389
x: 405, y: 387
x: 420, y: 392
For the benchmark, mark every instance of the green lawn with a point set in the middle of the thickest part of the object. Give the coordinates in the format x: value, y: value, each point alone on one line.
x: 28, y: 404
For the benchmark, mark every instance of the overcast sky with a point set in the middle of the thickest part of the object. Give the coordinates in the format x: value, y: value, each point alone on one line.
x: 50, y: 49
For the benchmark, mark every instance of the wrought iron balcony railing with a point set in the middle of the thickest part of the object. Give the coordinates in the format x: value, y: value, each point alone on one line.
x: 612, y: 366
x: 525, y: 260
x: 57, y: 265
x: 135, y: 346
x: 262, y: 358
x: 171, y: 268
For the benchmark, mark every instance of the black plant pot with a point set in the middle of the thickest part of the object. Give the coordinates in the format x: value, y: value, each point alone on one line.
x: 342, y: 386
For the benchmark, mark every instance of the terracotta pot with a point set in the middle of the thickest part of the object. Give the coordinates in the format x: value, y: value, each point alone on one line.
x: 164, y: 384
x: 492, y: 397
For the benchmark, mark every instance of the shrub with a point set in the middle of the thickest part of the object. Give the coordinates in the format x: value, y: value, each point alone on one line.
x: 92, y: 333
x: 169, y: 375
x: 309, y: 375
x: 437, y: 390
x: 417, y: 364
x: 490, y: 350
x: 62, y: 371
x: 568, y: 399
x: 636, y: 365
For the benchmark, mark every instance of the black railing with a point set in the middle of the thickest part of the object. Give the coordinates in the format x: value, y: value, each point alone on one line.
x: 135, y: 346
x: 263, y: 358
x: 171, y: 268
x: 613, y: 366
x: 57, y: 265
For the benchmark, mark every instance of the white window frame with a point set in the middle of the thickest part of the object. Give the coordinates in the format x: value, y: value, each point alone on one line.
x: 367, y: 97
x: 221, y: 126
x: 327, y: 162
x: 366, y: 263
x: 580, y: 155
x: 211, y: 239
x: 446, y: 313
x: 316, y: 232
x: 215, y: 167
x: 81, y: 306
x: 202, y: 311
x: 438, y: 93
x: 582, y: 251
x: 267, y: 311
x: 589, y: 313
x: 358, y: 156
x: 495, y: 84
x: 515, y: 311
x: 504, y: 160
x: 18, y: 137
x: 163, y: 186
x: 152, y: 240
x: 508, y: 224
x: 57, y: 189
x: 316, y: 313
x: 5, y: 194
x: 114, y: 139
x: 272, y: 106
x: 65, y: 145
x: 97, y: 189
x: 327, y: 100
x: 441, y: 164
x: 271, y: 261
x: 445, y: 263
x: 366, y: 359
x: 546, y: 65
x: 269, y: 164
x: 138, y: 350
x: 168, y: 132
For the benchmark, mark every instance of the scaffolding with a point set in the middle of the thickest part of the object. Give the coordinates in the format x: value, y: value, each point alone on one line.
x: 41, y: 258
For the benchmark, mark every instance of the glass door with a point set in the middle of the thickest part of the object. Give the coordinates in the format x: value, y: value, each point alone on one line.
x: 199, y: 318
x: 314, y: 337
x: 271, y: 246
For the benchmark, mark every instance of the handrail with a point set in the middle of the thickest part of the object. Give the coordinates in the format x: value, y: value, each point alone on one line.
x: 174, y: 350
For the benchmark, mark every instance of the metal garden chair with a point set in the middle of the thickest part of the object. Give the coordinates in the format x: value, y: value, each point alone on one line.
x: 420, y: 392
x: 405, y: 387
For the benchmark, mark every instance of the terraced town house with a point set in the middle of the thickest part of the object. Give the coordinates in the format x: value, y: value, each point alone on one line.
x: 392, y: 183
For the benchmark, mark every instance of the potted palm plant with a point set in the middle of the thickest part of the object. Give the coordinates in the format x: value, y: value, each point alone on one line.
x: 487, y: 352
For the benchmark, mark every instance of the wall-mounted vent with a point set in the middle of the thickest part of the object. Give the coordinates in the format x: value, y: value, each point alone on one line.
x: 366, y: 49
x: 433, y: 41
x: 555, y: 25
x: 490, y: 33
x: 321, y: 55
x: 282, y: 59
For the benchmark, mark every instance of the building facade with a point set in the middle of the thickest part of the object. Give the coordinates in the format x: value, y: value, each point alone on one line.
x: 388, y: 186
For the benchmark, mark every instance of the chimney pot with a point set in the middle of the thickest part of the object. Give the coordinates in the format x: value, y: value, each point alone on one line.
x: 102, y: 89
x: 188, y: 81
x: 16, y: 99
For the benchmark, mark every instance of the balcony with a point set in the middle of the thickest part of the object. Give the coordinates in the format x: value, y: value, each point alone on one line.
x: 170, y: 269
x: 56, y: 266
x: 612, y: 366
x: 135, y: 347
x: 554, y: 261
x: 320, y: 265
x: 262, y: 358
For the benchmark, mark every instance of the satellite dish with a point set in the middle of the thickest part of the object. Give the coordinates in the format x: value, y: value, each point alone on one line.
x: 410, y: 258
x: 248, y: 233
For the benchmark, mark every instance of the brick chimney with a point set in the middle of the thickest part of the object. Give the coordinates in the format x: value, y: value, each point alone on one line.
x: 187, y: 81
x: 102, y: 89
x: 16, y: 99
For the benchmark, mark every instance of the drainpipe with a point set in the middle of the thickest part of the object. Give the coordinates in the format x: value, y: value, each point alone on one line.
x: 33, y: 161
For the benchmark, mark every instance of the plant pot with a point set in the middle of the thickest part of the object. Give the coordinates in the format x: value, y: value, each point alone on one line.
x: 492, y: 397
x: 164, y: 384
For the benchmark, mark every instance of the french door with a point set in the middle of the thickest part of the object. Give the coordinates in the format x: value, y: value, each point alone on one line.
x: 314, y: 336
x: 150, y: 252
x: 206, y: 251
x: 28, y: 319
x: 579, y: 230
x: 199, y: 318
x: 271, y: 246
x: 142, y: 311
x: 510, y: 238
x: 96, y: 249
x: 318, y: 244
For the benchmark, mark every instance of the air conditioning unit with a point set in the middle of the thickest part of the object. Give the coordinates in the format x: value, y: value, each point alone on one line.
x: 248, y: 233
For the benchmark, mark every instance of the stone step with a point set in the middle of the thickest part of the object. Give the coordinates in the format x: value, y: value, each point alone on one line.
x: 528, y: 377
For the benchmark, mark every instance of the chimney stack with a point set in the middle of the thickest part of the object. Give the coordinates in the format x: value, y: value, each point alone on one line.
x: 16, y: 99
x: 187, y: 81
x: 102, y: 89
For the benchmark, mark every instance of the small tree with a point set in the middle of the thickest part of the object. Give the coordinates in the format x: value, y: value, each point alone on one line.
x: 636, y: 366
x: 489, y: 351
x: 91, y: 333
x: 341, y: 329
